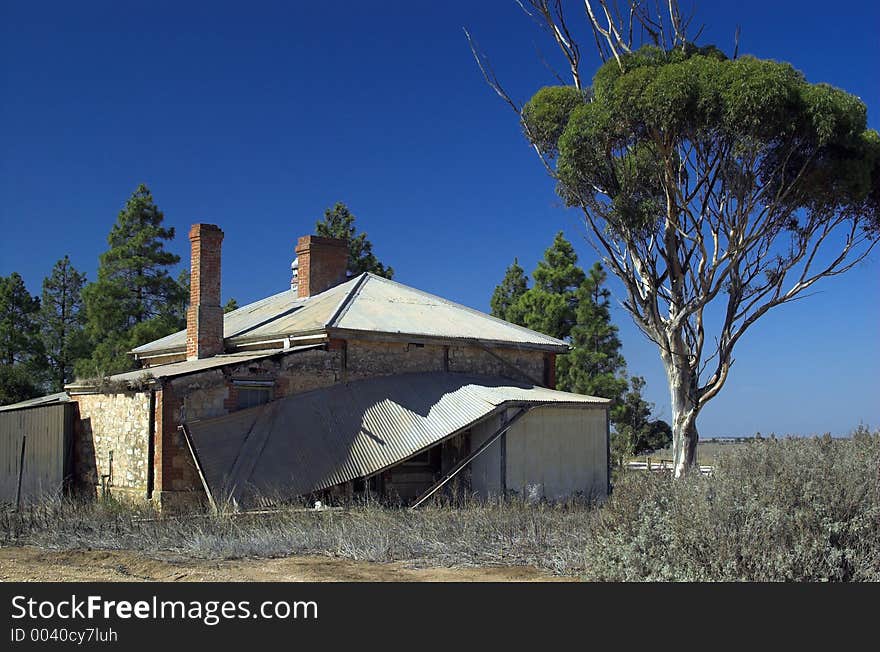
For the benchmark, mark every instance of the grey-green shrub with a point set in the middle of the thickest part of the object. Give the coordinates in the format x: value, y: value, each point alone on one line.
x: 774, y: 510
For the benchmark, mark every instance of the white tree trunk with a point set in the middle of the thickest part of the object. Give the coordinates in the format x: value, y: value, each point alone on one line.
x: 682, y: 389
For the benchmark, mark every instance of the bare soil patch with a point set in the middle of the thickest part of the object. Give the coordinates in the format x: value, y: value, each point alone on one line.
x: 30, y: 564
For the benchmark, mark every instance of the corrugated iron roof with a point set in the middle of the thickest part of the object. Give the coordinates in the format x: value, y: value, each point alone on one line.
x: 189, y: 366
x: 365, y: 304
x: 318, y: 439
x: 235, y: 322
x: 314, y: 315
x: 385, y: 306
x: 50, y: 399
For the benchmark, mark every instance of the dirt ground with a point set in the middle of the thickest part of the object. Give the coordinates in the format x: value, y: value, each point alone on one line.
x: 26, y: 564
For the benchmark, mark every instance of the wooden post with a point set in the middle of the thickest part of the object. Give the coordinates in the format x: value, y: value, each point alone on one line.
x: 503, y: 455
x: 192, y: 449
x: 20, y: 474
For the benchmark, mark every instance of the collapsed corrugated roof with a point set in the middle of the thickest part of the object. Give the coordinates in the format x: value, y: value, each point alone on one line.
x: 318, y: 439
x: 367, y: 304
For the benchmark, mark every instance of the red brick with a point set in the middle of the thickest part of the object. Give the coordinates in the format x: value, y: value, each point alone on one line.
x: 204, y: 317
x: 323, y: 263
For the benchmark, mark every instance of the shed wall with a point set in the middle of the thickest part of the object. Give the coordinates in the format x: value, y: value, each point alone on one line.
x: 47, y: 451
x: 552, y: 452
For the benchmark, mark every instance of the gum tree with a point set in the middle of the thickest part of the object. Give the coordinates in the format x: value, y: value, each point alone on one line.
x: 716, y: 188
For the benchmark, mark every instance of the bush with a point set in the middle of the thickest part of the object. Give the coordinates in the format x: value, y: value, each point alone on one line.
x: 774, y: 510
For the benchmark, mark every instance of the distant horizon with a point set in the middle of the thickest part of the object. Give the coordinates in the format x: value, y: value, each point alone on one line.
x: 257, y: 120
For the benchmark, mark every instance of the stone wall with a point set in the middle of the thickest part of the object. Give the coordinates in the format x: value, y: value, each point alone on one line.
x: 117, y: 424
x: 365, y: 359
x: 525, y: 365
x: 213, y: 393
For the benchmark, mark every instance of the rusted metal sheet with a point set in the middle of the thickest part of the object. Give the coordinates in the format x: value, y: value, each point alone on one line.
x: 319, y: 439
x: 47, y: 432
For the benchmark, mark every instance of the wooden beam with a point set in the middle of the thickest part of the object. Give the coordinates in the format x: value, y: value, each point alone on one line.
x: 192, y: 449
x: 467, y: 460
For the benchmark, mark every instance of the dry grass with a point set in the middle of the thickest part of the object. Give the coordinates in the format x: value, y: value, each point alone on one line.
x: 512, y: 532
x: 793, y: 509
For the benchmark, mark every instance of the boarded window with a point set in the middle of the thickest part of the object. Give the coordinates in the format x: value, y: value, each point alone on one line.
x: 248, y: 397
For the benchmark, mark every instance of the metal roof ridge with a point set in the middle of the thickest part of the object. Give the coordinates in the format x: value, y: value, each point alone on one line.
x: 347, y: 301
x: 468, y: 308
x: 268, y: 320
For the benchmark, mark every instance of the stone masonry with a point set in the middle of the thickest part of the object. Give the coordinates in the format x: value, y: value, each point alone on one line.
x: 116, y: 425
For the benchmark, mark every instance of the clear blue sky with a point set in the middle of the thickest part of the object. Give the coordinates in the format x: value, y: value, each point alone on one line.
x: 256, y: 116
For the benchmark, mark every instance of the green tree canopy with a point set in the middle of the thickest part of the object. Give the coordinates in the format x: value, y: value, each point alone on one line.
x: 634, y: 431
x: 17, y: 383
x: 19, y: 329
x: 596, y: 365
x: 135, y: 299
x: 338, y: 222
x: 706, y: 180
x: 22, y: 362
x: 230, y: 305
x: 570, y: 305
x: 62, y: 322
x: 512, y: 287
x: 550, y: 305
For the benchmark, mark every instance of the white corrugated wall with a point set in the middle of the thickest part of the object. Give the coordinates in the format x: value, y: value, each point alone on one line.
x: 552, y: 452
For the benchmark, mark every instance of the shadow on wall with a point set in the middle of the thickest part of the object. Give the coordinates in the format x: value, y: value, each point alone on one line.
x: 85, y: 463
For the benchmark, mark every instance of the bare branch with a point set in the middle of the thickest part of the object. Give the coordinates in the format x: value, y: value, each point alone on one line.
x: 489, y: 74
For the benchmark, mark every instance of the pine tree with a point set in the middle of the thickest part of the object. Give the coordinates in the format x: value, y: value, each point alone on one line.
x: 230, y: 305
x: 338, y: 222
x: 550, y: 306
x: 19, y: 330
x: 595, y: 366
x: 22, y: 363
x: 134, y: 300
x: 573, y: 306
x: 17, y: 384
x: 514, y: 284
x: 62, y: 322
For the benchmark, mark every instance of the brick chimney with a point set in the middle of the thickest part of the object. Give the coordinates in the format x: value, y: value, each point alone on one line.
x: 321, y: 264
x: 204, y: 318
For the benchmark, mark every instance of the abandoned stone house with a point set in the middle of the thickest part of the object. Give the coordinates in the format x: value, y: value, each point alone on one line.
x: 334, y: 386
